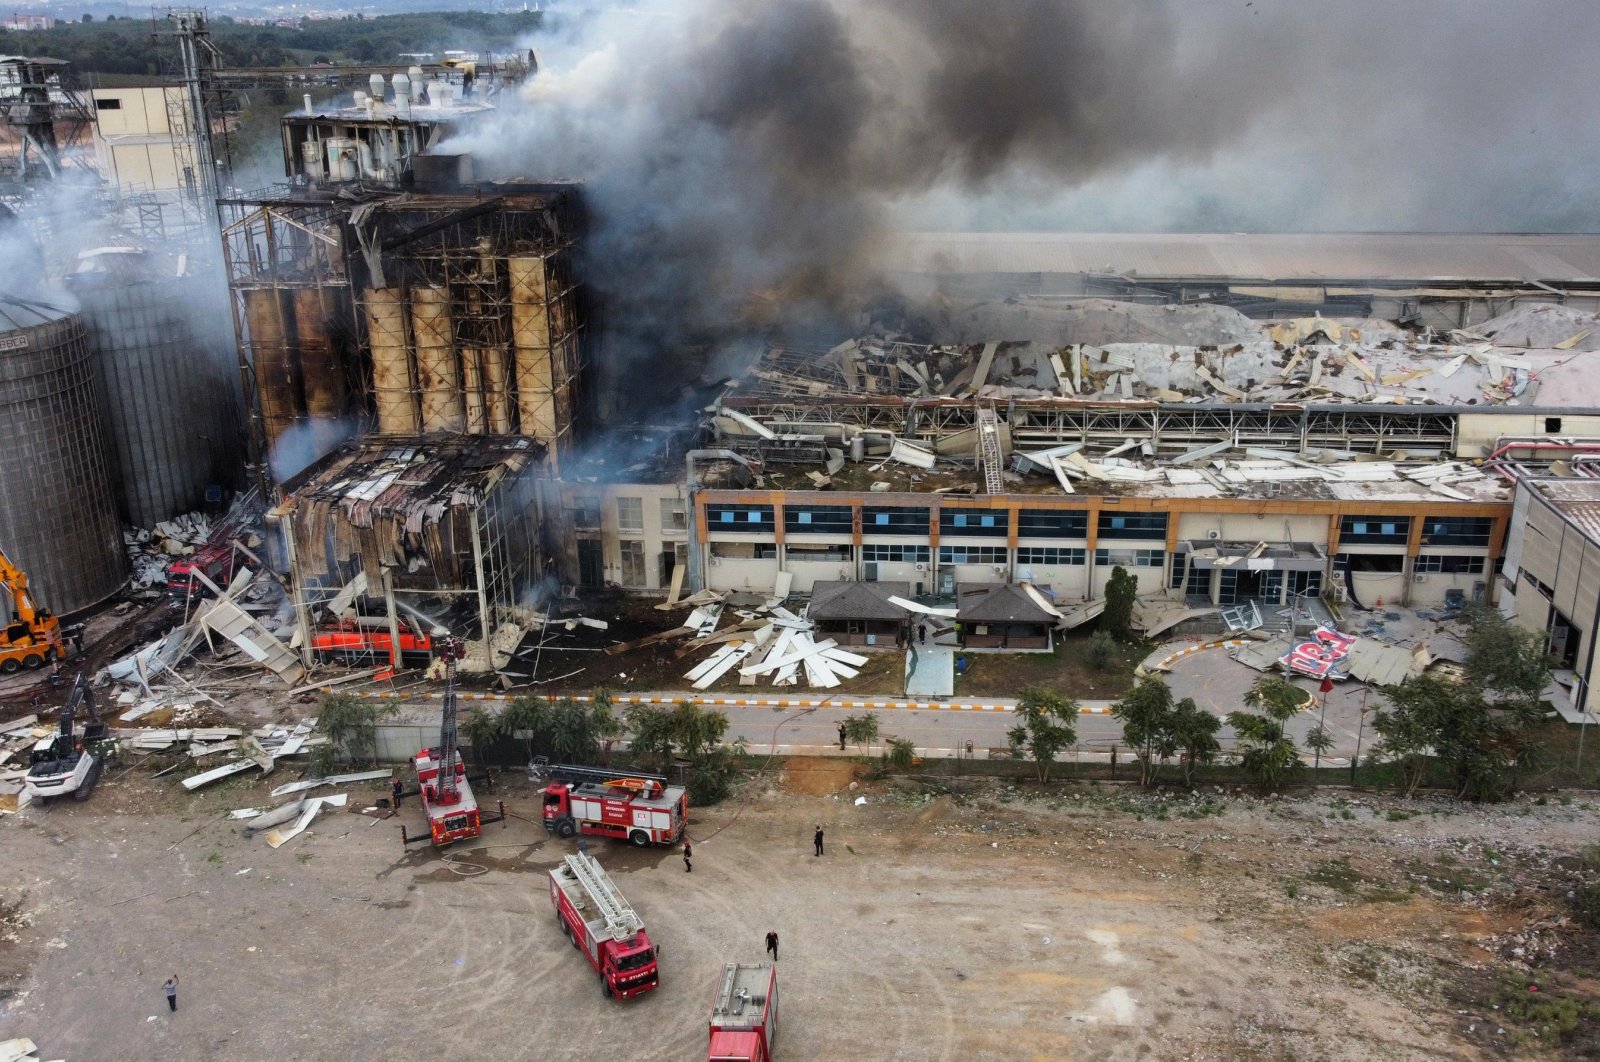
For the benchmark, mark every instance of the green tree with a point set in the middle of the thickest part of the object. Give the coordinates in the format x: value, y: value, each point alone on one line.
x: 577, y: 730
x: 1101, y: 650
x: 1194, y: 733
x: 901, y: 754
x: 527, y: 719
x: 351, y: 724
x: 1268, y: 751
x: 1319, y: 740
x: 1146, y: 715
x: 1047, y: 724
x: 696, y: 730
x: 660, y: 734
x: 1420, y: 708
x: 1121, y: 590
x: 1481, y: 730
x: 479, y: 729
x: 861, y: 730
x: 652, y: 737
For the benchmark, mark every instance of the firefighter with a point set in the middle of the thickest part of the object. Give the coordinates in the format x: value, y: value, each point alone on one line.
x: 772, y: 944
x: 397, y: 790
x: 817, y: 840
x: 841, y: 737
x: 688, y: 850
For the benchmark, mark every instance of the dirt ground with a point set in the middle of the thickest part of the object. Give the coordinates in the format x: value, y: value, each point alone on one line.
x: 1065, y: 670
x: 978, y: 924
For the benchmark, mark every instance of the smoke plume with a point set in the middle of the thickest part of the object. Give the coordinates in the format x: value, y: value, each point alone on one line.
x: 734, y: 148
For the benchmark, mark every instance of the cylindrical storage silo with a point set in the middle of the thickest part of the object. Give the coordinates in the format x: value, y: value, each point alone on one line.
x: 393, y: 393
x: 168, y: 387
x: 438, y: 372
x: 58, y: 518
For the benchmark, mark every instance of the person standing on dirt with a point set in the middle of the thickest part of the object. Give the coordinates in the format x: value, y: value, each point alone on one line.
x: 397, y: 790
x: 772, y: 944
x: 841, y: 737
x: 688, y: 851
x: 817, y: 840
x: 171, y: 989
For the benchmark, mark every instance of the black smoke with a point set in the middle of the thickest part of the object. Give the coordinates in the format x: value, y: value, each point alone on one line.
x: 746, y: 154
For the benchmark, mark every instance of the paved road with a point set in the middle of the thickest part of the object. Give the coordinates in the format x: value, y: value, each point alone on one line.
x: 802, y: 720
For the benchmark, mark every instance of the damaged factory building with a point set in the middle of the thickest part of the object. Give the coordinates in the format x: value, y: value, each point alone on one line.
x: 1247, y: 440
x: 412, y: 346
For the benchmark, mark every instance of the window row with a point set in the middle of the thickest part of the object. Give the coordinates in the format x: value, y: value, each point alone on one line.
x: 1431, y: 562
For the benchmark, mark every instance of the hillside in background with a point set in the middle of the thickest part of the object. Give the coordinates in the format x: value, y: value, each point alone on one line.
x: 128, y: 46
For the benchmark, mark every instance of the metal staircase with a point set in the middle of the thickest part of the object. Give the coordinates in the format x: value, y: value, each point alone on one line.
x: 990, y: 459
x: 621, y: 920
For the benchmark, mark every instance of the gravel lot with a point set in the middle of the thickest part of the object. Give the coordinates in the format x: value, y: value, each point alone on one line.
x: 982, y: 925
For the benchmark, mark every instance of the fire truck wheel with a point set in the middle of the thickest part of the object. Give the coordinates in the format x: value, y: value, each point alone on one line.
x: 566, y: 828
x: 33, y: 661
x: 640, y: 839
x: 605, y: 989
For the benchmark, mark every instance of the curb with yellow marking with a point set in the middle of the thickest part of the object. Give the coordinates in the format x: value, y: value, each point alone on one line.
x: 731, y: 702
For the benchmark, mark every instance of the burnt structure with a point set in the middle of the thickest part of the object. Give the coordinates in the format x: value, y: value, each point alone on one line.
x: 384, y: 291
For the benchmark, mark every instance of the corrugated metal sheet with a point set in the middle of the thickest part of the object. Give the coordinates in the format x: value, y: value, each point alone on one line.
x: 1402, y: 257
x: 57, y: 518
x: 173, y: 421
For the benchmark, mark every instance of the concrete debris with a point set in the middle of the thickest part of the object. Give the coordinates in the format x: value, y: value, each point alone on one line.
x: 1545, y: 326
x: 336, y: 779
x: 779, y: 646
x: 217, y: 774
x: 266, y: 818
x: 313, y: 805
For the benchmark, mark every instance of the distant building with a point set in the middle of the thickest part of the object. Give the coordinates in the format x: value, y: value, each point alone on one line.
x: 20, y: 23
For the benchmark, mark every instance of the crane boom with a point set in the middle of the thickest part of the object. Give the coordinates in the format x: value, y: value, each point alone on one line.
x: 15, y: 580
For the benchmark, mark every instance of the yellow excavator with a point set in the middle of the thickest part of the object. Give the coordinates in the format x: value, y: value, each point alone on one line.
x: 32, y: 638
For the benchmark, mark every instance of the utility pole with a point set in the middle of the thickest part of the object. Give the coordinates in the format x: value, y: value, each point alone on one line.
x: 1360, y: 729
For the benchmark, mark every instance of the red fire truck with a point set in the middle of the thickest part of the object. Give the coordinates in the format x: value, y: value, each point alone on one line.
x: 640, y: 808
x: 600, y: 923
x: 744, y: 1019
x: 366, y: 639
x: 447, y: 799
x: 218, y: 562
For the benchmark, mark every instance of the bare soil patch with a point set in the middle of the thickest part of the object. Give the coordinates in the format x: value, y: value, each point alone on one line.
x: 994, y: 922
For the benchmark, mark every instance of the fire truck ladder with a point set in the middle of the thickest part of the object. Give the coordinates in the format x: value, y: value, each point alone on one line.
x: 561, y: 772
x: 621, y: 919
x: 452, y: 650
x: 989, y: 457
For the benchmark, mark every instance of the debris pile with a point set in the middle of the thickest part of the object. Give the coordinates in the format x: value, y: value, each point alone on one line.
x: 767, y: 642
x: 17, y: 740
x: 151, y: 551
x: 1544, y: 326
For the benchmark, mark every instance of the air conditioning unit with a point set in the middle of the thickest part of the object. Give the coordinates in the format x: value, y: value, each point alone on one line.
x: 1339, y: 594
x: 1419, y: 578
x: 922, y: 566
x: 1214, y: 535
x: 999, y: 569
x: 714, y: 560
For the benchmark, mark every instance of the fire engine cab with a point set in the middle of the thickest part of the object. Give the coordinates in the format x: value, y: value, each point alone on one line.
x: 639, y: 808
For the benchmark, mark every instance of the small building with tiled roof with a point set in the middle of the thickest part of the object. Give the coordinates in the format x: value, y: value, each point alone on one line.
x: 859, y: 613
x: 1001, y: 616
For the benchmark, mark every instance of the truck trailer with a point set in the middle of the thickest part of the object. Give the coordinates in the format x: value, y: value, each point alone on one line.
x: 599, y: 922
x: 744, y: 1019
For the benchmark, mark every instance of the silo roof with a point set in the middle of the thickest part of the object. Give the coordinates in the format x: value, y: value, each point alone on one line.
x: 16, y: 313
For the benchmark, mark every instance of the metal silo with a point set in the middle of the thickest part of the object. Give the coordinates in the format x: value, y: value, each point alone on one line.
x: 58, y: 517
x: 167, y: 386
